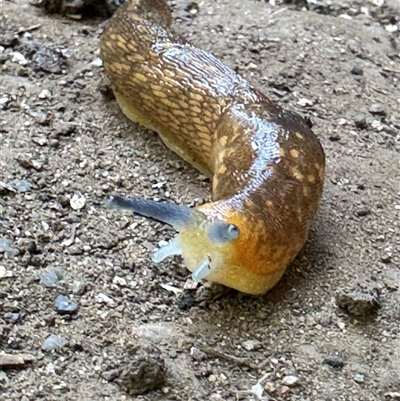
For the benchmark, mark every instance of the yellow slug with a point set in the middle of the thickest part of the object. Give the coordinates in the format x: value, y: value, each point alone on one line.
x: 266, y: 164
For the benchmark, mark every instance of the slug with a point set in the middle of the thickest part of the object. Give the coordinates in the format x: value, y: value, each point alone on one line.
x: 266, y: 164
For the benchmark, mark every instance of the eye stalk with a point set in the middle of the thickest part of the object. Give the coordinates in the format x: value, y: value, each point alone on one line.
x: 176, y: 216
x: 221, y: 232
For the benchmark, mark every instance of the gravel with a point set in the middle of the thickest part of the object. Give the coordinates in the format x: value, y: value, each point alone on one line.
x: 61, y: 135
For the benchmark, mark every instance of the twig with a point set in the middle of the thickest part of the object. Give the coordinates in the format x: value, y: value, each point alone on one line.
x: 227, y: 357
x: 28, y: 29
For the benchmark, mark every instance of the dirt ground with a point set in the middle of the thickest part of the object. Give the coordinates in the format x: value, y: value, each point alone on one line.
x: 132, y: 330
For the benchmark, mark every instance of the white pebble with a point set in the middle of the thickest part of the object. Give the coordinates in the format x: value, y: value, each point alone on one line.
x: 19, y: 58
x: 290, y: 381
x: 77, y: 202
x: 119, y: 281
x: 97, y: 62
x: 45, y: 94
x: 305, y: 102
x: 104, y: 299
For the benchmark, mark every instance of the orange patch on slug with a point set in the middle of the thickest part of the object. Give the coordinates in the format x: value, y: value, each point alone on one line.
x: 294, y: 153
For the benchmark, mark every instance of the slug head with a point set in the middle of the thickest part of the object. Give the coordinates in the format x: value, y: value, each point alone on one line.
x: 203, y: 241
x: 219, y: 243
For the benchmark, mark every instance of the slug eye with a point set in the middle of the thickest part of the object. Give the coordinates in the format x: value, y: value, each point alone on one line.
x: 221, y: 232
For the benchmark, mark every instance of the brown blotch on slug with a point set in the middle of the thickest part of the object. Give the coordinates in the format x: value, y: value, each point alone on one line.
x: 260, y: 157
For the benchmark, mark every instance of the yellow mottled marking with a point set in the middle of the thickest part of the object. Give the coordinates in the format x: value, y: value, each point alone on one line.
x: 197, y: 120
x: 299, y: 136
x: 311, y: 179
x: 140, y: 77
x: 282, y: 152
x: 299, y: 214
x: 160, y: 94
x: 184, y: 105
x: 296, y: 174
x: 269, y: 203
x: 179, y: 113
x: 147, y: 97
x: 133, y: 48
x: 201, y: 128
x: 169, y: 73
x: 169, y: 103
x: 222, y: 169
x: 195, y: 110
x: 196, y: 96
x: 207, y: 113
x: 306, y: 192
x: 321, y: 173
x: 122, y: 46
x: 174, y: 126
x: 294, y: 153
x: 223, y: 140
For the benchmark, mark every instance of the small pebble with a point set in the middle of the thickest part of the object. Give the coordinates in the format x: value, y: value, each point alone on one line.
x: 104, y: 299
x: 50, y: 278
x: 197, y: 354
x: 305, y: 102
x: 251, y: 345
x: 7, y: 248
x: 64, y: 305
x: 97, y: 62
x: 78, y: 287
x: 291, y: 381
x: 53, y: 342
x: 18, y: 58
x: 359, y: 378
x: 20, y: 185
x: 334, y: 361
x: 3, y: 376
x: 77, y: 202
x: 377, y: 109
x: 359, y: 301
x: 3, y: 272
x: 360, y: 121
x: 14, y: 317
x: 15, y: 360
x: 357, y: 71
x: 45, y: 94
x: 363, y: 212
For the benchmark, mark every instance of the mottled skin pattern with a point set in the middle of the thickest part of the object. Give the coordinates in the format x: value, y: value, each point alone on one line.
x: 267, y: 165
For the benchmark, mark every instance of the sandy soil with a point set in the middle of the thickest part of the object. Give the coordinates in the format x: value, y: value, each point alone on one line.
x: 130, y: 329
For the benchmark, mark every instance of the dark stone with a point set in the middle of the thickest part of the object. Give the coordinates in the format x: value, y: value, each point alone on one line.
x: 334, y: 362
x: 357, y: 71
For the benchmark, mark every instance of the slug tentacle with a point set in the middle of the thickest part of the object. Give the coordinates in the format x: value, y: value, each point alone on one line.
x: 266, y: 164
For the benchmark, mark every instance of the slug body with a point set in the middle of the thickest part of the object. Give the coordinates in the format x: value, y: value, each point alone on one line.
x: 267, y: 166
